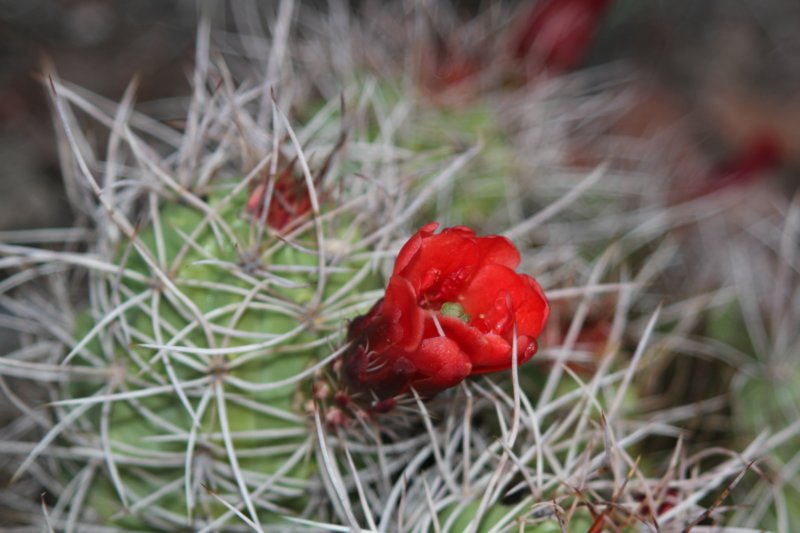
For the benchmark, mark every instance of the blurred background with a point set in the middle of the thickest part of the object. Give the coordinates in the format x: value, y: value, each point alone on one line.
x: 725, y: 72
x: 99, y: 45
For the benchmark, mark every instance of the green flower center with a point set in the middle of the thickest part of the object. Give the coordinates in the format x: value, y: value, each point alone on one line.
x: 455, y: 310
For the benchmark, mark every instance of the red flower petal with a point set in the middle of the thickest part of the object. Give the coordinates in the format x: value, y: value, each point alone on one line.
x: 557, y: 33
x: 482, y: 349
x: 498, y: 250
x: 498, y: 297
x: 486, y: 352
x: 440, y: 266
x: 533, y: 311
x: 404, y: 318
x: 394, y: 321
x: 491, y: 297
x: 526, y: 348
x: 440, y: 364
x: 412, y: 246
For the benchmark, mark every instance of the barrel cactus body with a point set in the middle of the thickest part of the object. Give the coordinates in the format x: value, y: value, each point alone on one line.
x: 186, y: 419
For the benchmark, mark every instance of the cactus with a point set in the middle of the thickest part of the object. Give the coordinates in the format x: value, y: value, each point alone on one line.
x: 186, y: 340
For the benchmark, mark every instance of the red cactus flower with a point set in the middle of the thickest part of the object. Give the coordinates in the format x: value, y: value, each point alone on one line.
x: 557, y: 33
x: 451, y: 309
x: 289, y: 200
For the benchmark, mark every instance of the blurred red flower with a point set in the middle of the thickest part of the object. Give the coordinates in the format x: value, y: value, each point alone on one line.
x: 557, y: 33
x: 760, y: 154
x: 450, y: 311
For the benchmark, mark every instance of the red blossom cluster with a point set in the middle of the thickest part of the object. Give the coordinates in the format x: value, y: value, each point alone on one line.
x: 454, y: 307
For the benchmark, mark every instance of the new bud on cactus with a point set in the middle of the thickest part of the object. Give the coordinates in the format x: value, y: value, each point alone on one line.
x: 289, y: 199
x: 454, y: 307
